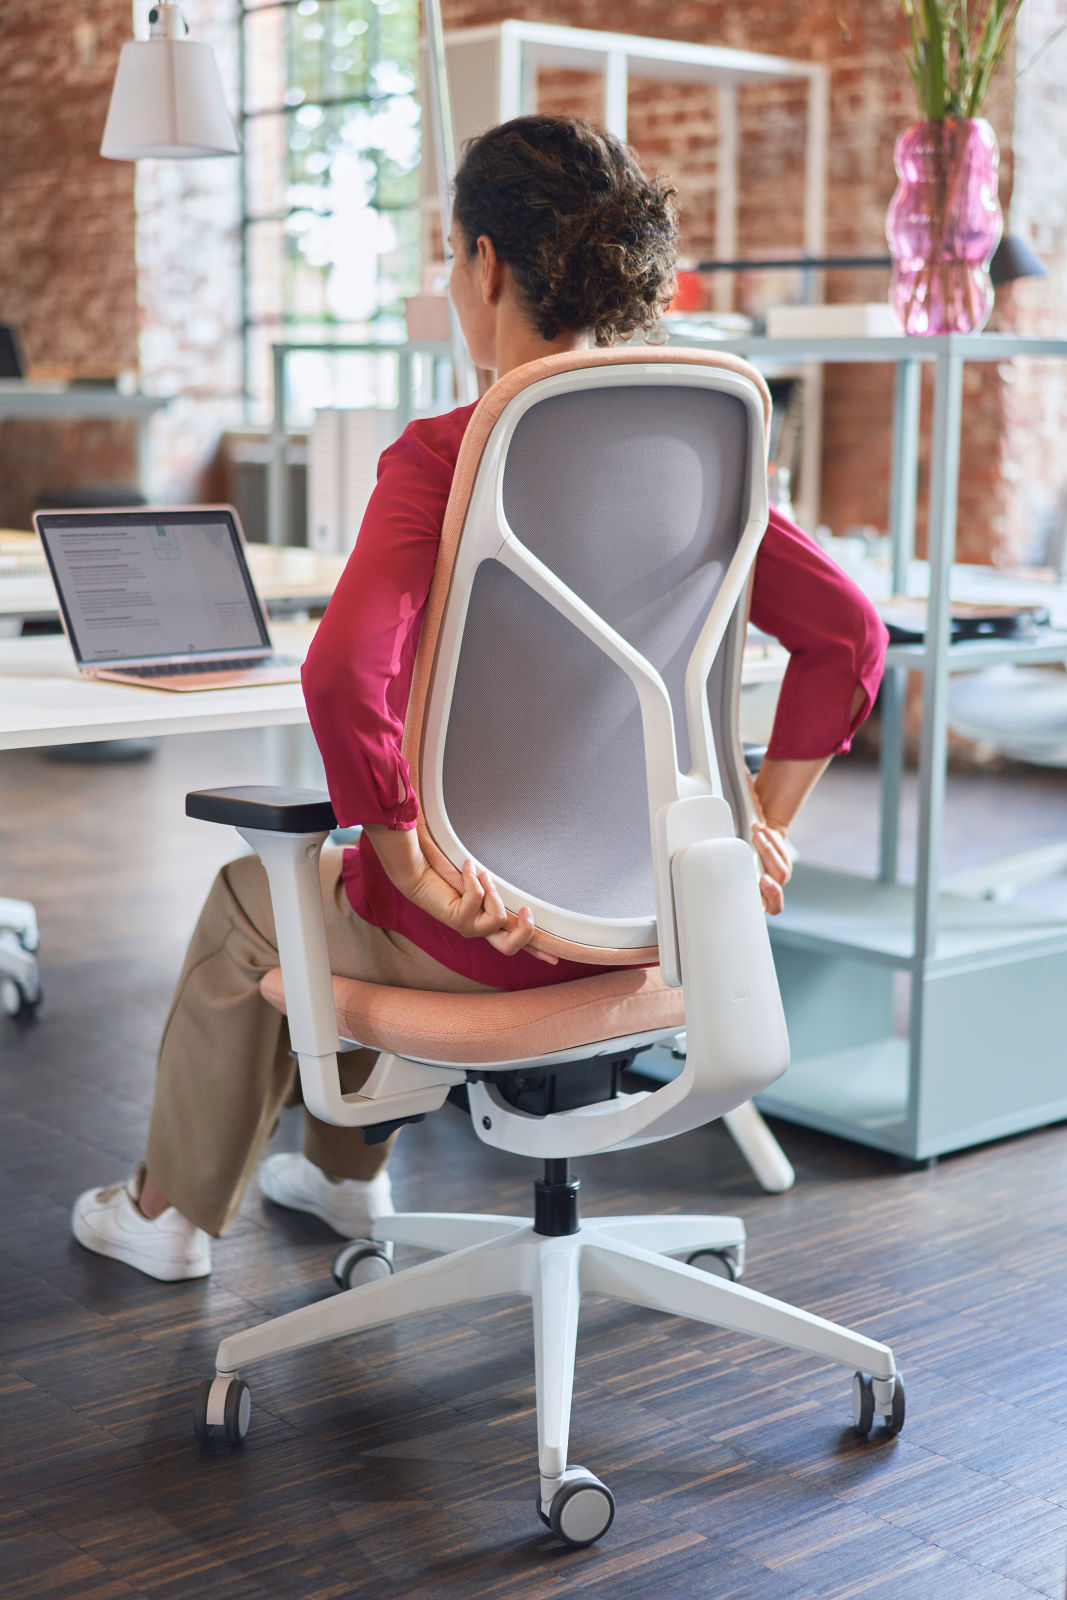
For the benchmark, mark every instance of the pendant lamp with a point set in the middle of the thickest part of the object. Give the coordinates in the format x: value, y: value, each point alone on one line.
x: 167, y: 100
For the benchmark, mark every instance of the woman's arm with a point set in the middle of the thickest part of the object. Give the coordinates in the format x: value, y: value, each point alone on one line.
x: 782, y: 787
x: 357, y: 679
x: 358, y: 671
x: 836, y: 642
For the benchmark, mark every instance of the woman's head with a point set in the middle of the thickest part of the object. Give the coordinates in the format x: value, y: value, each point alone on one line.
x: 588, y: 240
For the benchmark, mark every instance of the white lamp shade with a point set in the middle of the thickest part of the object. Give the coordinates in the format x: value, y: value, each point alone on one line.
x: 168, y: 102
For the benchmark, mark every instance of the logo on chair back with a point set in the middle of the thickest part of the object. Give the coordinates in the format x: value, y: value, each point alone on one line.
x: 740, y: 994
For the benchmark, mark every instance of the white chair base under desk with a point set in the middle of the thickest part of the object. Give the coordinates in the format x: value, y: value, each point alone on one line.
x: 20, y: 981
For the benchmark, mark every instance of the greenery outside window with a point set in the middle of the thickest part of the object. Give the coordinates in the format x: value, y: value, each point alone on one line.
x: 330, y: 232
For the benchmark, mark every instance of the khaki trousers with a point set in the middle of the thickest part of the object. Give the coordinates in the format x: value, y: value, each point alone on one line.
x: 225, y: 1070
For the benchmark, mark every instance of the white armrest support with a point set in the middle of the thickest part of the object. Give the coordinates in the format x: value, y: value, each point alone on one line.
x: 736, y: 1039
x: 682, y: 823
x: 395, y: 1088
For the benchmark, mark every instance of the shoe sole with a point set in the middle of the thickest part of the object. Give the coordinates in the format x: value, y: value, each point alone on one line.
x: 101, y: 1245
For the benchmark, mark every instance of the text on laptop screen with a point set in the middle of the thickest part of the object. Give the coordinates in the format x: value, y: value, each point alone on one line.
x: 141, y: 587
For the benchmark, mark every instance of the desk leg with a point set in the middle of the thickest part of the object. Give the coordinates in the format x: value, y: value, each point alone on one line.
x: 144, y: 440
x: 933, y: 749
x: 278, y: 463
x: 892, y: 701
x: 903, y: 486
x: 292, y: 758
x: 944, y: 490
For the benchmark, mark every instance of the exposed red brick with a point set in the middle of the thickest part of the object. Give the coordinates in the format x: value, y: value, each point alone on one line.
x: 69, y: 238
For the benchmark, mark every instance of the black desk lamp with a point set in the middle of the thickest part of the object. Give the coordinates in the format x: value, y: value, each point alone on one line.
x: 1013, y: 258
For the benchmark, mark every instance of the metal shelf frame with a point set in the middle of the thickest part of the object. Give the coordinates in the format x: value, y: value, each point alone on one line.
x: 991, y: 1002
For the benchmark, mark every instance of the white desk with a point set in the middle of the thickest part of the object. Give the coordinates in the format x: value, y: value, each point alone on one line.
x: 44, y: 701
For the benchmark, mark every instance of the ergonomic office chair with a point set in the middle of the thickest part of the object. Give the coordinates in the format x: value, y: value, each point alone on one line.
x: 572, y: 725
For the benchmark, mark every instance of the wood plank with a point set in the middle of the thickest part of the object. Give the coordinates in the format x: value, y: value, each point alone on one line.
x: 402, y: 1462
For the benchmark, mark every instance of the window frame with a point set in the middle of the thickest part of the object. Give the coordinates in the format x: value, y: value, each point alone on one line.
x: 289, y: 326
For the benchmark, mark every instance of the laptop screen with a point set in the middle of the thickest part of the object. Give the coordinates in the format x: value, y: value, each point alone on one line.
x: 139, y: 586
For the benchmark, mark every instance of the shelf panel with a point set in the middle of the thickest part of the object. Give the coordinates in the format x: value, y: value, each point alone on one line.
x: 854, y: 1094
x: 901, y: 347
x: 1050, y: 645
x: 861, y: 1094
x: 852, y: 915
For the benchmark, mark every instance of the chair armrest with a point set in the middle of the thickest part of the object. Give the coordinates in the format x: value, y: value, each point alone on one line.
x: 286, y: 828
x: 267, y: 808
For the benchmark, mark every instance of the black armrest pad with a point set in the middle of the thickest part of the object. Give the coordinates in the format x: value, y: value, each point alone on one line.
x: 276, y: 810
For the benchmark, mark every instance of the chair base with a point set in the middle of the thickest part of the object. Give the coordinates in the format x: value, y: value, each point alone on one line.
x: 627, y: 1258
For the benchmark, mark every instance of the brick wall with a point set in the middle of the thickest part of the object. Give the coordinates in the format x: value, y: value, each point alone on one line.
x: 110, y: 267
x: 1033, y: 503
x: 871, y: 99
x: 96, y: 284
x: 67, y: 249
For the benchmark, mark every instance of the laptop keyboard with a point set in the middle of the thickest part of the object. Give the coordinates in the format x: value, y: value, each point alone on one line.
x: 176, y: 669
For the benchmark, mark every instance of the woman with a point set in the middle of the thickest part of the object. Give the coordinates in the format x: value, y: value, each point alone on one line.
x: 559, y: 240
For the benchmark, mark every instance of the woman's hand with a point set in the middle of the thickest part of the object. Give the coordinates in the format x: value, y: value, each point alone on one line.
x: 475, y: 910
x: 769, y: 844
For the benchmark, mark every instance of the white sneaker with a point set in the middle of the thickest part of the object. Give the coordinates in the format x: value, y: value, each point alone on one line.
x: 349, y: 1206
x: 169, y: 1247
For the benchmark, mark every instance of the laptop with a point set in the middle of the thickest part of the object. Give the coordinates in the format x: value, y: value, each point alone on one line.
x: 160, y: 598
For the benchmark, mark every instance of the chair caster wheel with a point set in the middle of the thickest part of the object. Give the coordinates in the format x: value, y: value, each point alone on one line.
x: 863, y: 1406
x: 728, y: 1263
x: 361, y: 1261
x: 223, y: 1410
x: 17, y: 1002
x: 581, y: 1510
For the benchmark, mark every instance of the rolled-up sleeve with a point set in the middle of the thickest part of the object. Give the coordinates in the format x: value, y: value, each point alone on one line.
x: 357, y: 676
x: 835, y: 639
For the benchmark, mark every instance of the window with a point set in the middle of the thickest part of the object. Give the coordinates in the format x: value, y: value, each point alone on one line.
x: 330, y: 234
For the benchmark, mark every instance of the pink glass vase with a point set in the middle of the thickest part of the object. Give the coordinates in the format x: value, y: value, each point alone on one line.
x: 943, y: 224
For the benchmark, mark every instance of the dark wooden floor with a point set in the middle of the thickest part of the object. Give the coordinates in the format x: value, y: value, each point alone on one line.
x: 403, y: 1462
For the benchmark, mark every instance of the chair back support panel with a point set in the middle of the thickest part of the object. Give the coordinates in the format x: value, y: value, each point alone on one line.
x: 613, y: 514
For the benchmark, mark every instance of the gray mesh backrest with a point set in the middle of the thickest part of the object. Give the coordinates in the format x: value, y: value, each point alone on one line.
x: 634, y: 496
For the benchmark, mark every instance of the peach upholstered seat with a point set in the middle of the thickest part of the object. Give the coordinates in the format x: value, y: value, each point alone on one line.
x: 471, y: 1029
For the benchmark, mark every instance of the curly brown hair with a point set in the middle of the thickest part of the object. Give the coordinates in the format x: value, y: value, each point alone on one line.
x: 591, y: 242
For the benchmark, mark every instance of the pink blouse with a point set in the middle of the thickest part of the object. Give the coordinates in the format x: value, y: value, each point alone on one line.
x: 358, y: 676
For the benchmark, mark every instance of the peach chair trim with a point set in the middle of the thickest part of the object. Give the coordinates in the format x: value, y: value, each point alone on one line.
x: 486, y: 415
